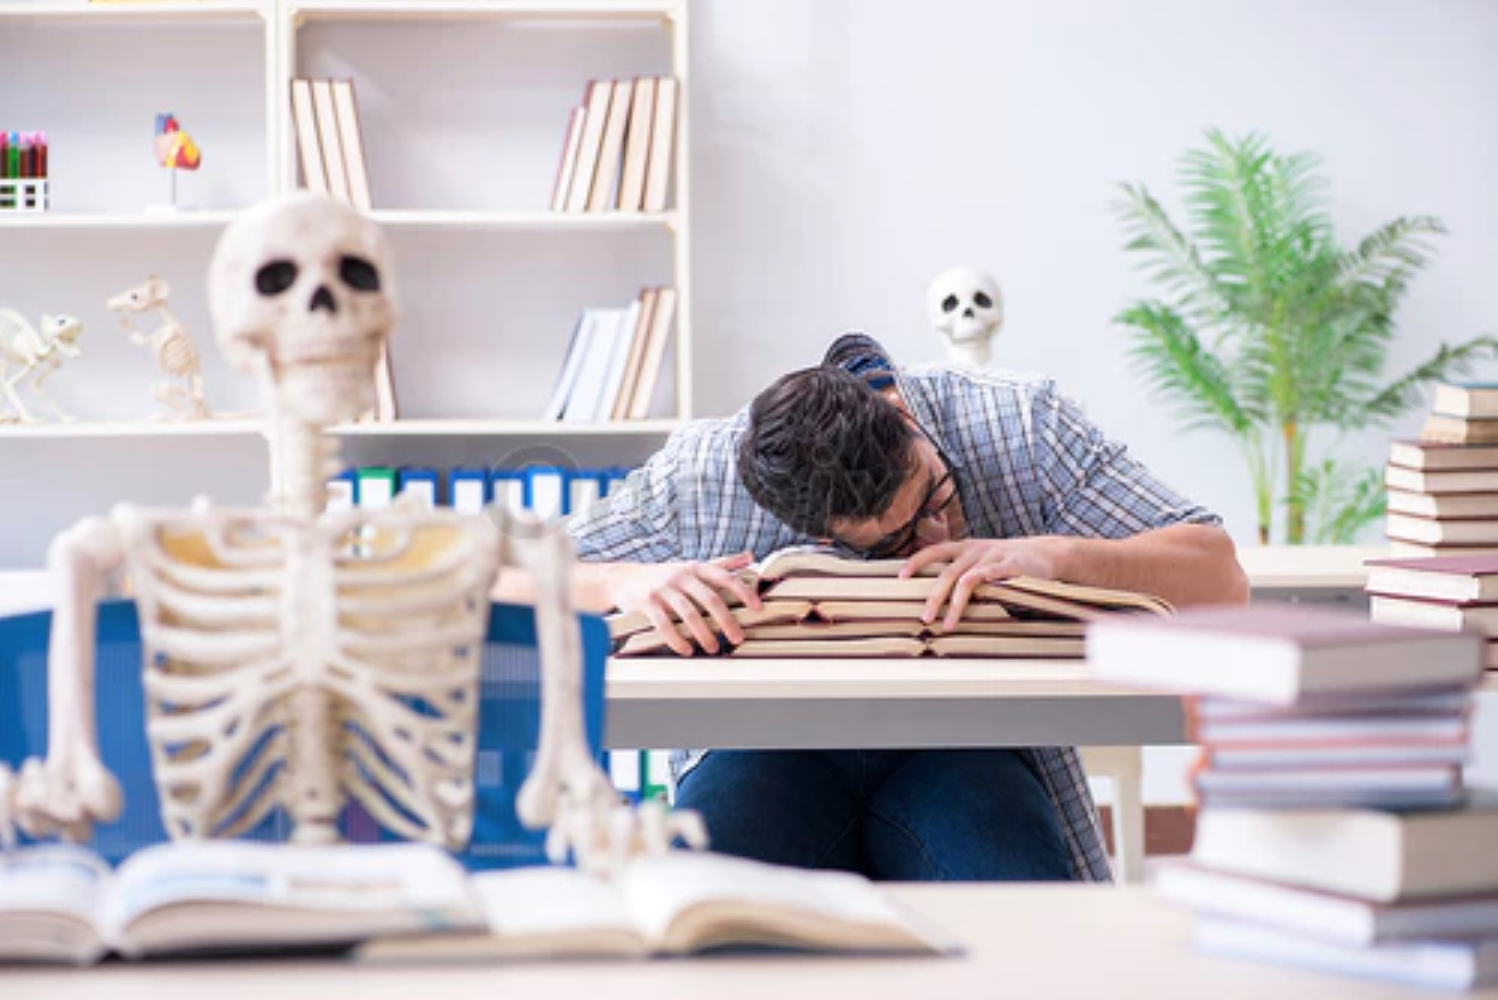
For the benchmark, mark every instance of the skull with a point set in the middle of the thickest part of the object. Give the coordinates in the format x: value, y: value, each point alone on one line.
x: 967, y: 309
x: 300, y: 290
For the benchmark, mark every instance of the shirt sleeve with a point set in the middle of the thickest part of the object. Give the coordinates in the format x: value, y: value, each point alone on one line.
x: 637, y: 521
x: 1091, y: 486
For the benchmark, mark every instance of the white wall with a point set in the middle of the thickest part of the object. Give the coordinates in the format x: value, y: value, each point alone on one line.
x: 843, y: 153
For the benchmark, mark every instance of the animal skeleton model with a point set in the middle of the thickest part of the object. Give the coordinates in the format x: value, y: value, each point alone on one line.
x: 287, y: 665
x: 38, y: 354
x: 966, y: 308
x: 171, y: 343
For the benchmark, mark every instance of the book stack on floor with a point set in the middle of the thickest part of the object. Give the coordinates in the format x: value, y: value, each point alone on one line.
x: 1453, y: 593
x: 1335, y: 831
x: 816, y: 603
x: 1443, y: 488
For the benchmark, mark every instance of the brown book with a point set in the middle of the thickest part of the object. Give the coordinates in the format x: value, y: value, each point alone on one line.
x: 309, y: 146
x: 332, y: 142
x: 1459, y: 579
x: 661, y: 317
x: 1443, y: 615
x: 1473, y: 531
x: 662, y: 145
x: 1444, y: 505
x: 1397, y: 477
x: 611, y: 152
x: 567, y: 166
x: 637, y: 147
x: 770, y: 612
x: 1459, y: 430
x: 977, y: 612
x: 1419, y: 550
x: 351, y: 137
x: 596, y: 100
x: 1436, y: 455
x: 1278, y: 653
x: 638, y: 342
x: 901, y: 646
x: 1469, y: 399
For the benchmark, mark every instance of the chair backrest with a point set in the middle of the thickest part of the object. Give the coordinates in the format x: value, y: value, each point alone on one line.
x: 509, y: 727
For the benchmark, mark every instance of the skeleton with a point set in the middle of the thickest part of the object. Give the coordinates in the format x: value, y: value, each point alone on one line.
x: 287, y: 665
x: 967, y: 309
x: 171, y: 343
x: 38, y: 354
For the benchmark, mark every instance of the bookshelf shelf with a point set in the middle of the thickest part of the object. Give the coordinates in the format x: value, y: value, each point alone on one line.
x: 369, y: 10
x: 114, y: 220
x: 165, y: 11
x: 87, y: 430
x: 585, y: 222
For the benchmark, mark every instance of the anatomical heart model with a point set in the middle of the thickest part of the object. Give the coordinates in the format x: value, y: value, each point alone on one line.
x: 175, y: 150
x: 300, y: 658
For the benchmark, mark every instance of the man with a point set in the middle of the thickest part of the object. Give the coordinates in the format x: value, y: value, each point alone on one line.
x: 992, y: 474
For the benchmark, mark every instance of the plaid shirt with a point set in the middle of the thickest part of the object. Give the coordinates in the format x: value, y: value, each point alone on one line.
x: 1026, y: 461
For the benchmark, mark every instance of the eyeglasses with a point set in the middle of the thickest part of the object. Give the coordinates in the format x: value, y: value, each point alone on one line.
x: 895, y: 543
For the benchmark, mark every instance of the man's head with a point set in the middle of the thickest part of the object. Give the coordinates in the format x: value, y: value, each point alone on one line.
x: 835, y: 459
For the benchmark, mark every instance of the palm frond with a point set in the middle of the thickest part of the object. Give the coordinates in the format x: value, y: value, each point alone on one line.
x: 1340, y: 498
x: 1181, y: 372
x: 1447, y: 363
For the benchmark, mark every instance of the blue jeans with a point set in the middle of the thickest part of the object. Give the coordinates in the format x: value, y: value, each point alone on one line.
x: 906, y: 815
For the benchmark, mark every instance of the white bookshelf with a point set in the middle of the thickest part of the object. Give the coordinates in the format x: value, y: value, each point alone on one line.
x: 97, y: 429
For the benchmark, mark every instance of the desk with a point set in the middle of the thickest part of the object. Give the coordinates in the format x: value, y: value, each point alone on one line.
x: 1318, y: 573
x: 868, y: 703
x: 1066, y: 942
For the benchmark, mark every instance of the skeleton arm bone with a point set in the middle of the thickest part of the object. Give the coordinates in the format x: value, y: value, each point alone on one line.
x: 72, y: 789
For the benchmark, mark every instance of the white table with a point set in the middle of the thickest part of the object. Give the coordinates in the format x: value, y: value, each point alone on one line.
x: 1063, y: 942
x: 1317, y: 573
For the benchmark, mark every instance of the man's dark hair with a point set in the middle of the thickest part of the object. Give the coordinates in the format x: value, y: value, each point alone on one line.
x: 822, y: 445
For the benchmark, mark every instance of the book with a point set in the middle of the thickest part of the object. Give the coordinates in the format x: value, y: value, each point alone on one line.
x: 62, y: 903
x: 577, y: 351
x: 1375, y: 854
x: 351, y: 138
x: 1459, y: 430
x: 1270, y: 756
x: 567, y: 165
x: 662, y: 145
x: 1277, y: 653
x: 1402, y: 786
x: 1338, y: 709
x: 1420, y: 550
x: 661, y: 318
x: 1323, y: 915
x: 586, y: 395
x: 639, y: 341
x: 1437, y: 456
x: 1478, y: 531
x: 1465, y: 399
x: 1040, y: 647
x: 1455, y: 965
x: 1441, y: 481
x: 596, y: 100
x: 611, y: 150
x: 1405, y: 611
x: 1304, y: 734
x: 1460, y: 579
x: 1444, y: 505
x: 309, y: 146
x: 676, y: 903
x: 637, y: 147
x: 330, y: 140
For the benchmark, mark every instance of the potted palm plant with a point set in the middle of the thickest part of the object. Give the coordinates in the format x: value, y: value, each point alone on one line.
x: 1267, y: 329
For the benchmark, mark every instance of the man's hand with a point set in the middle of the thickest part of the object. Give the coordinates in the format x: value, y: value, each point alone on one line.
x: 687, y: 592
x: 976, y: 561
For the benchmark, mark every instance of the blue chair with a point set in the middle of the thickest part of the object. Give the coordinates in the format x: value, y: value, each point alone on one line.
x: 509, y: 727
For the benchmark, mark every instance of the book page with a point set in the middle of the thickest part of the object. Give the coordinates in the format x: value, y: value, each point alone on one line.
x: 49, y: 897
x: 691, y: 900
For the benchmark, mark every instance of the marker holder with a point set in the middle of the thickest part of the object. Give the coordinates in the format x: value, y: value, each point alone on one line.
x: 26, y: 194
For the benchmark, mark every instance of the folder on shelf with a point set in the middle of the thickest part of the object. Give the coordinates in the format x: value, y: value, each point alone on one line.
x: 420, y: 481
x: 376, y: 486
x: 577, y: 349
x: 545, y: 491
x: 342, y: 492
x: 332, y: 144
x: 611, y: 152
x: 584, y: 488
x: 662, y: 144
x: 509, y: 489
x: 590, y: 146
x: 304, y: 118
x: 661, y: 319
x: 568, y: 164
x: 637, y: 147
x: 468, y: 489
x: 583, y: 402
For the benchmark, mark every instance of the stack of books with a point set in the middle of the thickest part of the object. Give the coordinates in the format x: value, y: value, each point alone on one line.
x: 817, y: 603
x: 614, y: 361
x: 1335, y: 830
x: 1443, y: 488
x: 1452, y: 593
x: 619, y: 146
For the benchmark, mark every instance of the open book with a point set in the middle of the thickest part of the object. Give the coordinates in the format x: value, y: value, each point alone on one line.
x: 818, y: 602
x: 62, y: 903
x: 677, y: 903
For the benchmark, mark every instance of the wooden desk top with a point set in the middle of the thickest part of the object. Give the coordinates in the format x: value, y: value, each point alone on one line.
x: 1022, y: 942
x: 1308, y: 567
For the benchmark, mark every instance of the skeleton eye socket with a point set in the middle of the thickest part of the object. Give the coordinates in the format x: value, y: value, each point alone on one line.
x: 359, y: 274
x: 949, y: 303
x: 982, y: 300
x: 275, y: 277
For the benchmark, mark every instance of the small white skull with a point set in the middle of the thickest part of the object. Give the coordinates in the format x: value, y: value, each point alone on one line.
x: 301, y: 293
x: 965, y: 306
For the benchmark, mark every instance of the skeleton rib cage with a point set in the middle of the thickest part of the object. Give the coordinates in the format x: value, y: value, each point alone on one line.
x: 237, y: 655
